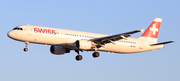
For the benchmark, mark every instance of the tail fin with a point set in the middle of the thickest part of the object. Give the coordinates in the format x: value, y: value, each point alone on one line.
x: 152, y: 32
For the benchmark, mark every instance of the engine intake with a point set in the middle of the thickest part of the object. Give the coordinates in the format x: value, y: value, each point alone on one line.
x: 58, y: 50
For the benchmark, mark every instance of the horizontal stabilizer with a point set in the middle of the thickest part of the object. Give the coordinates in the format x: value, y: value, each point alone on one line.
x: 161, y: 43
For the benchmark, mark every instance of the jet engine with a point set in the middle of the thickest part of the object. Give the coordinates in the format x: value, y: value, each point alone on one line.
x: 84, y: 44
x: 58, y: 50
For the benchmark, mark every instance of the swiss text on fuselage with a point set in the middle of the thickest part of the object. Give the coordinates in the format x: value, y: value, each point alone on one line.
x: 45, y: 31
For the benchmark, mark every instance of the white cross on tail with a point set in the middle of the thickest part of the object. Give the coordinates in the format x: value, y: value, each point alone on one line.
x: 154, y: 29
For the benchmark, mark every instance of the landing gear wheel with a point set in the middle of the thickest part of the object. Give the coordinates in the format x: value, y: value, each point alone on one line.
x: 25, y: 49
x: 96, y: 54
x: 79, y: 57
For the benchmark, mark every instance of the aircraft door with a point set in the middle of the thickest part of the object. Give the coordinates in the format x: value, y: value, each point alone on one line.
x: 30, y: 30
x: 141, y: 45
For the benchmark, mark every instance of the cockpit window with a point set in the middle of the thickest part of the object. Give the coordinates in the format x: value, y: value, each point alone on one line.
x: 17, y: 28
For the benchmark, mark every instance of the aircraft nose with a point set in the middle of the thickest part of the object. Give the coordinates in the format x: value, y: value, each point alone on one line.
x: 11, y: 34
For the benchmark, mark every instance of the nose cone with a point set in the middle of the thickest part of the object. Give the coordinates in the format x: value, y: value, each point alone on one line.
x: 11, y: 34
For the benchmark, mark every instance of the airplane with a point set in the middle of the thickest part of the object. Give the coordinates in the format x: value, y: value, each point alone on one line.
x: 63, y: 41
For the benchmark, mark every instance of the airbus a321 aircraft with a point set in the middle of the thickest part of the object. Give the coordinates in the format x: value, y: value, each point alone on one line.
x: 62, y: 41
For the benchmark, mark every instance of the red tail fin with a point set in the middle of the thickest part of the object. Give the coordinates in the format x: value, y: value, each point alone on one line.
x: 153, y: 30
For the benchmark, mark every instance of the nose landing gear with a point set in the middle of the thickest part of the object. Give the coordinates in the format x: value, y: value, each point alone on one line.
x: 26, y: 49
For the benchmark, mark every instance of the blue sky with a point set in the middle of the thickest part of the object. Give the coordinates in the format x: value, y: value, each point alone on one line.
x: 98, y: 16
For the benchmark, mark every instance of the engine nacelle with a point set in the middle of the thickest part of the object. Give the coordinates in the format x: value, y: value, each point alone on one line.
x: 58, y: 50
x: 84, y: 44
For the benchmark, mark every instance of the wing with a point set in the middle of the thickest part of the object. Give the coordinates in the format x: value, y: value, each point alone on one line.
x: 99, y: 42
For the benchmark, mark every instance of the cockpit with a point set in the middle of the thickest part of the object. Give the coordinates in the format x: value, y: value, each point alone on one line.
x: 16, y: 28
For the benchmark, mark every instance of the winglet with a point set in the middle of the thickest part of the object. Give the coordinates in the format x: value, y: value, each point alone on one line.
x: 142, y: 30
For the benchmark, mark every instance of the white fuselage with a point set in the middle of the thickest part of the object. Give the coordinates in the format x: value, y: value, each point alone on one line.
x: 62, y: 37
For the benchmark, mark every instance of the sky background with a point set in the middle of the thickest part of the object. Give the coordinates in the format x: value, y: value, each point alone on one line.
x: 97, y: 16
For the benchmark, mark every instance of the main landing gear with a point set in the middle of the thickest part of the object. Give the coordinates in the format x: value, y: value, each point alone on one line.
x: 96, y: 54
x: 26, y: 49
x: 79, y: 57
